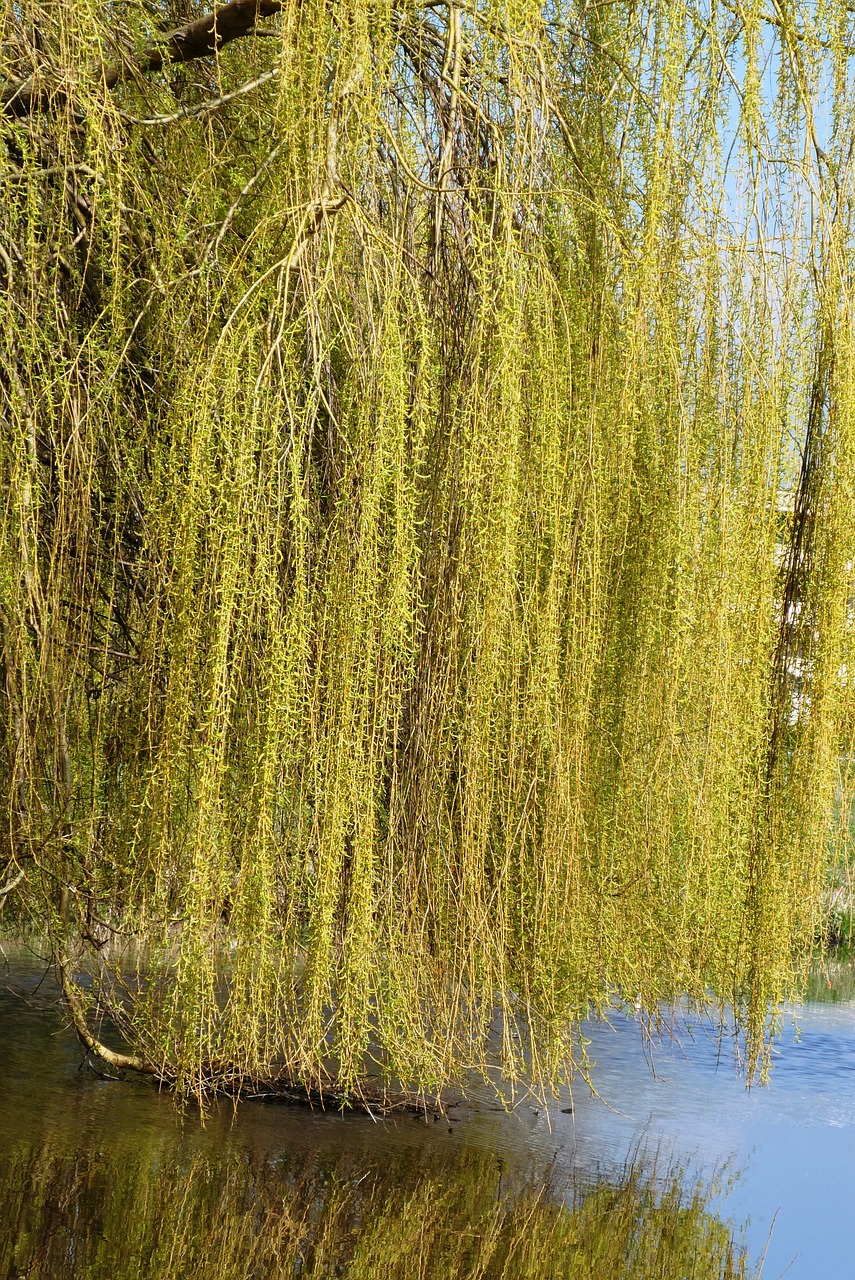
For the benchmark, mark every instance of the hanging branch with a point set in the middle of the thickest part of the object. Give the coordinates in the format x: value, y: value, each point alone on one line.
x: 198, y: 39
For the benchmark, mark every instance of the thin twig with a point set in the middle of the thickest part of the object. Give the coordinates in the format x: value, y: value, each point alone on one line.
x: 204, y: 108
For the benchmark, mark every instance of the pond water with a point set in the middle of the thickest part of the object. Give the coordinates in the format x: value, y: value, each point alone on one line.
x: 790, y: 1144
x: 79, y: 1153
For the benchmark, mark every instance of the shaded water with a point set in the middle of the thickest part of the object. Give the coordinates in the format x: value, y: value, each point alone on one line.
x: 96, y: 1174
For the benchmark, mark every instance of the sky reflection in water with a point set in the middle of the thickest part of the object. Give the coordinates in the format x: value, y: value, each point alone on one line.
x: 791, y: 1143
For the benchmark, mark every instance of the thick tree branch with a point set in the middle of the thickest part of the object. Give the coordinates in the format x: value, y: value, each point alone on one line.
x: 198, y: 39
x: 119, y: 1061
x: 12, y: 883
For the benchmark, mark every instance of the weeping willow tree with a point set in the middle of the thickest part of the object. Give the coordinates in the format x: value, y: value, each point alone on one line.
x: 427, y: 519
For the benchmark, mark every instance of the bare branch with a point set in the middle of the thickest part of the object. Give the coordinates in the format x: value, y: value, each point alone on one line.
x: 196, y: 113
x: 12, y: 884
x: 119, y: 1061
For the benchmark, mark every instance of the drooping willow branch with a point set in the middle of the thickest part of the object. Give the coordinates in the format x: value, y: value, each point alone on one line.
x: 198, y: 39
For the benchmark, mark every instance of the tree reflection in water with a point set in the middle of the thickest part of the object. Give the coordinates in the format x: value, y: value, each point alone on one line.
x: 151, y: 1212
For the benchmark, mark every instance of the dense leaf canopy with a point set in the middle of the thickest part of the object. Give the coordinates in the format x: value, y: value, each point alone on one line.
x: 427, y: 518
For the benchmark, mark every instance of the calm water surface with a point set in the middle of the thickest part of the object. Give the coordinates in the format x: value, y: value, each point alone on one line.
x: 788, y: 1148
x: 790, y: 1144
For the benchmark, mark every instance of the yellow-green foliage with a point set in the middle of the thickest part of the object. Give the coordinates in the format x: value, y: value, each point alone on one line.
x: 427, y: 519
